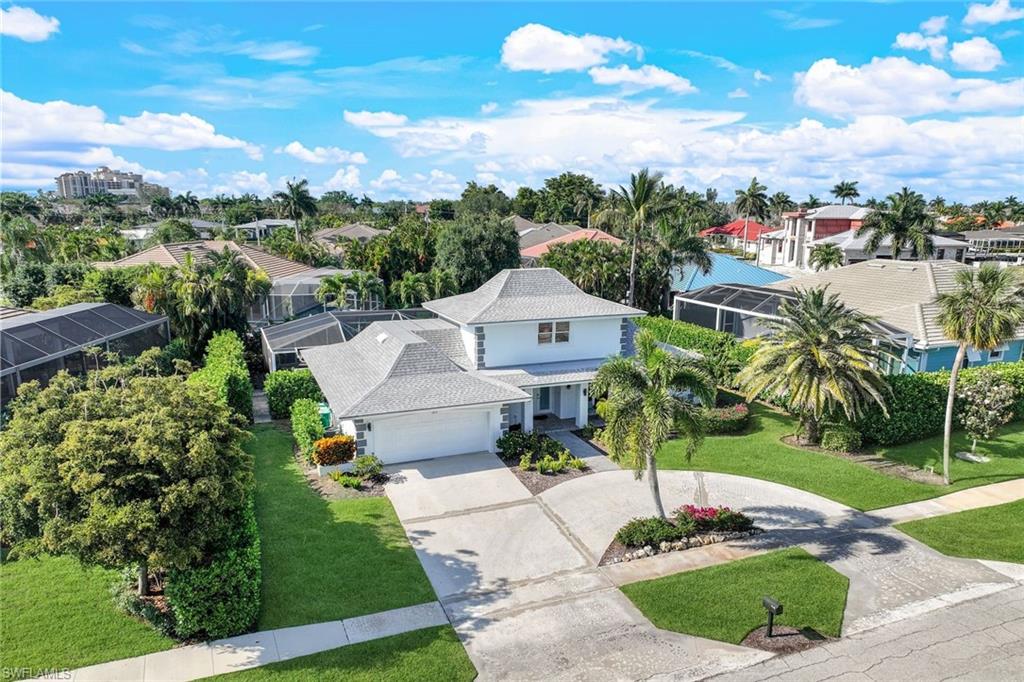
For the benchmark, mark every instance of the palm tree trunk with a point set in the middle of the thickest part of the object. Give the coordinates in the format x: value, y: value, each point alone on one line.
x: 746, y: 222
x: 631, y: 294
x: 652, y: 482
x: 947, y: 432
x: 811, y: 430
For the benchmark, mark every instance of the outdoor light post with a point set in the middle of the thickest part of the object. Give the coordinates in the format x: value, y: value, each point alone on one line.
x: 773, y: 608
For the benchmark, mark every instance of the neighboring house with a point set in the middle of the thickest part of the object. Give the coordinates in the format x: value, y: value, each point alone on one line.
x: 853, y: 248
x: 791, y: 245
x: 292, y: 283
x: 725, y: 269
x: 138, y: 234
x: 526, y: 345
x: 334, y: 238
x: 899, y: 294
x: 1003, y: 244
x: 532, y: 253
x: 257, y: 230
x: 732, y: 234
x: 544, y: 233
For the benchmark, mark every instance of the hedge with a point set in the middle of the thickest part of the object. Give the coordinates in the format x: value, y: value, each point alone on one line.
x: 841, y: 438
x: 285, y: 386
x: 719, y: 421
x: 225, y: 371
x: 917, y: 405
x: 221, y: 598
x: 694, y: 337
x: 306, y: 425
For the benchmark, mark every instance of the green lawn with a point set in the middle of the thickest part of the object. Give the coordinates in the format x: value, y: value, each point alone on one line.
x: 1006, y: 451
x: 988, y: 533
x: 724, y: 602
x: 325, y: 560
x: 56, y: 614
x: 760, y: 453
x: 429, y: 654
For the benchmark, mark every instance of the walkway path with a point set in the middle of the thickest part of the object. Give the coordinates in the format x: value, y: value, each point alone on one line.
x: 260, y: 408
x: 578, y: 447
x: 962, y: 500
x: 260, y: 648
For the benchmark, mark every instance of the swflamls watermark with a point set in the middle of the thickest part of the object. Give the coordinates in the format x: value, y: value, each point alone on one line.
x: 13, y: 673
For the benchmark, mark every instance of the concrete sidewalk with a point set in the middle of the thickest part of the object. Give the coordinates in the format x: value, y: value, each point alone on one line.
x: 260, y: 648
x: 962, y: 500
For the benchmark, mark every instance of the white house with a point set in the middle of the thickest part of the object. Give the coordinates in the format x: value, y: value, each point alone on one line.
x: 854, y: 248
x: 524, y: 345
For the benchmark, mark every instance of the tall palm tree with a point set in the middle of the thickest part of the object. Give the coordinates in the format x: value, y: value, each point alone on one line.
x: 751, y: 202
x: 643, y: 407
x: 820, y: 358
x: 411, y: 290
x: 985, y: 309
x: 825, y: 257
x: 297, y: 202
x: 186, y: 204
x: 635, y: 210
x: 847, y: 189
x: 333, y: 290
x: 779, y: 203
x: 812, y: 202
x: 905, y: 221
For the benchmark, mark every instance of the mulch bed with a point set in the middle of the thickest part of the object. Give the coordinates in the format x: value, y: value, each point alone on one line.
x: 875, y: 462
x: 329, y: 489
x: 784, y: 639
x: 614, y: 553
x: 537, y: 482
x: 618, y: 552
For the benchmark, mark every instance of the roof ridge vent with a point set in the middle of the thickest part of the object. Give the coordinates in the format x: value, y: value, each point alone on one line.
x: 876, y: 265
x: 906, y: 268
x: 382, y: 337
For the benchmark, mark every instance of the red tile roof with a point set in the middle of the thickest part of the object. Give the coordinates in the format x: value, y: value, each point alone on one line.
x: 539, y: 250
x: 735, y: 229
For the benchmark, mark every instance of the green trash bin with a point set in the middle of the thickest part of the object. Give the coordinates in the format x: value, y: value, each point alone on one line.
x: 325, y: 415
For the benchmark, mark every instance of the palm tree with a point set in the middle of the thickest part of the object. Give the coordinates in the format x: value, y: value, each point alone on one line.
x: 812, y: 202
x: 368, y: 290
x: 847, y: 189
x: 441, y: 283
x: 751, y: 202
x: 635, y: 210
x: 186, y: 204
x: 825, y: 257
x: 779, y: 203
x: 905, y: 221
x: 985, y: 309
x: 644, y: 407
x: 297, y: 202
x: 584, y: 203
x: 333, y: 290
x: 820, y: 358
x: 411, y: 290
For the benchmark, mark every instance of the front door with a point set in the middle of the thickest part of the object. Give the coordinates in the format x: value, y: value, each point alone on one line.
x: 544, y: 399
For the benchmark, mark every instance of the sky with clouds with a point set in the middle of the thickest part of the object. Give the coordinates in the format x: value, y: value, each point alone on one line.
x: 413, y: 100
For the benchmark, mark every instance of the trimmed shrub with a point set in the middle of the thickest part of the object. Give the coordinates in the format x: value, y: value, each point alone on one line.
x: 514, y: 445
x: 726, y: 420
x: 285, y: 386
x: 556, y: 465
x: 221, y: 598
x: 367, y: 466
x: 333, y: 450
x: 347, y: 480
x: 306, y: 425
x: 707, y: 342
x: 651, y: 531
x: 710, y: 519
x: 224, y: 370
x: 917, y: 405
x: 840, y: 438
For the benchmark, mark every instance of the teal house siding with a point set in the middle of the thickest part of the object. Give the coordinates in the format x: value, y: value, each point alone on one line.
x: 935, y: 359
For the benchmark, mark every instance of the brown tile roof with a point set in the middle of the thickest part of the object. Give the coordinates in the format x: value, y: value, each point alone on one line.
x: 169, y: 255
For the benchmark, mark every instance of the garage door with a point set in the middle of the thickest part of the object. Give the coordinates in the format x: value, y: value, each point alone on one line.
x: 404, y: 439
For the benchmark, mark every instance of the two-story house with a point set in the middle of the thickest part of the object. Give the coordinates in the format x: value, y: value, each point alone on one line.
x: 791, y: 246
x: 524, y: 346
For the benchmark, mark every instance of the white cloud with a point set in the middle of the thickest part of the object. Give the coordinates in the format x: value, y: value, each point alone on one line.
x: 760, y: 75
x: 283, y: 51
x: 321, y: 154
x: 418, y: 186
x: 368, y: 119
x: 217, y: 39
x: 346, y: 179
x: 535, y: 47
x: 26, y: 24
x: 738, y: 93
x: 642, y: 78
x: 996, y: 13
x: 58, y: 124
x: 898, y: 86
x: 976, y: 54
x: 488, y: 108
x: 792, y: 21
x: 720, y: 62
x: 277, y: 91
x: 936, y: 45
x: 934, y: 25
x: 244, y: 182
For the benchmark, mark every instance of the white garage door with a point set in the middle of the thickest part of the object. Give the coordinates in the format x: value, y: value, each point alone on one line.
x: 404, y: 439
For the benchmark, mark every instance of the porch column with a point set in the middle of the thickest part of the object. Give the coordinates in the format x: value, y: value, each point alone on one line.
x: 581, y: 405
x: 528, y: 413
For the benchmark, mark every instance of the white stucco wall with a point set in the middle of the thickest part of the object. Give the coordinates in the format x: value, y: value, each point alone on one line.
x: 516, y: 343
x: 469, y: 341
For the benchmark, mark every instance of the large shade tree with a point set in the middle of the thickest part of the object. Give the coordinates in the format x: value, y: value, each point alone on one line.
x: 644, y: 406
x: 985, y: 309
x: 905, y: 221
x: 820, y: 359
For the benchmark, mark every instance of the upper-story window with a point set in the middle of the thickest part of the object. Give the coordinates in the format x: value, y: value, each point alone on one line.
x: 553, y: 332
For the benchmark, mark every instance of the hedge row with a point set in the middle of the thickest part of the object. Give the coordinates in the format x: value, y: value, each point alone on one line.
x: 917, y: 405
x: 694, y: 337
x: 285, y: 386
x: 222, y: 597
x: 224, y: 370
x: 307, y: 428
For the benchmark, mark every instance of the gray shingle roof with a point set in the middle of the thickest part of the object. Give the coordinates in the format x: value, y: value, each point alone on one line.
x: 547, y: 373
x: 544, y: 233
x: 526, y: 295
x: 392, y: 367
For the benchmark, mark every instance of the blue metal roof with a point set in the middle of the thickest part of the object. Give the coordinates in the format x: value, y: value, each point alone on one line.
x: 724, y: 270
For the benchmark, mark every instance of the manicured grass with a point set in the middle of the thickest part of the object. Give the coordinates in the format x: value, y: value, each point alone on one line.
x: 724, y: 602
x: 325, y: 560
x: 56, y: 614
x: 429, y: 654
x: 988, y: 533
x: 760, y: 453
x: 1006, y: 451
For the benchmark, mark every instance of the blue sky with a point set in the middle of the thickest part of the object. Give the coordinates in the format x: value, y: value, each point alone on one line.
x: 412, y: 100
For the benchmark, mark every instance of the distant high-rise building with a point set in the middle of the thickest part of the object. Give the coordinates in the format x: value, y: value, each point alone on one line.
x: 131, y: 185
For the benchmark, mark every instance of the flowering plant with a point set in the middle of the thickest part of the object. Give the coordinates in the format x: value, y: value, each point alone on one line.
x: 705, y: 519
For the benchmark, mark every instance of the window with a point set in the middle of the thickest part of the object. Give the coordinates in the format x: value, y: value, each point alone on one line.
x: 556, y: 332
